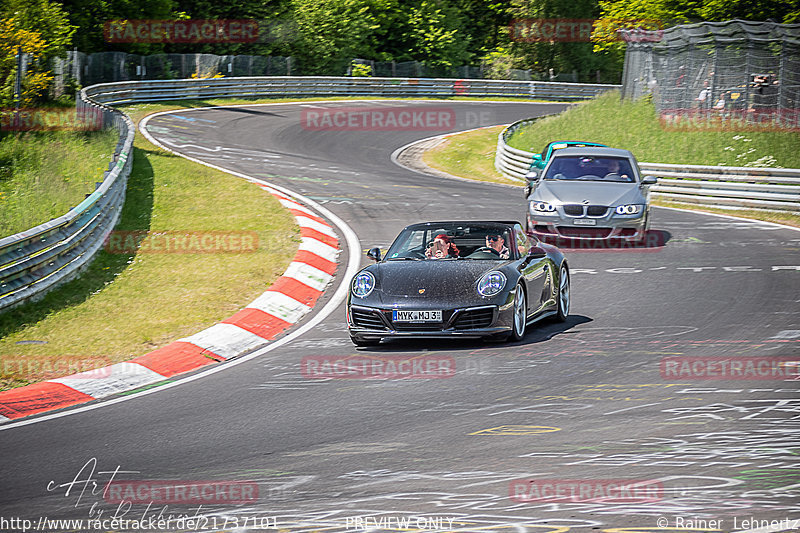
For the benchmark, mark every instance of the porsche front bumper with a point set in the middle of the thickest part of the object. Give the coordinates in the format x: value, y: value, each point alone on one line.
x: 466, y: 322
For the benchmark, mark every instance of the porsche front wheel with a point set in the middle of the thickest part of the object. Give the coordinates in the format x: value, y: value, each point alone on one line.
x: 562, y: 298
x: 520, y: 315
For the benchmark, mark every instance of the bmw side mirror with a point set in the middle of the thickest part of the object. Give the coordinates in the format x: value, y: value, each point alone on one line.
x: 374, y: 254
x: 649, y: 180
x: 536, y: 252
x: 532, y: 177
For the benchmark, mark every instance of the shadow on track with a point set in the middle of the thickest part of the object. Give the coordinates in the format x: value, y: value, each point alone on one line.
x: 537, y: 333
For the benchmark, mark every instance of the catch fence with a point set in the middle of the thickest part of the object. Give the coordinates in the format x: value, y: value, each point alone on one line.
x: 724, y: 75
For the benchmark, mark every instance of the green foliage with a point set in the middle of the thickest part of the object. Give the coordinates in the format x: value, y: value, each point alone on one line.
x: 91, y: 15
x: 331, y: 33
x: 360, y: 70
x: 41, y: 30
x: 436, y: 35
x: 46, y: 18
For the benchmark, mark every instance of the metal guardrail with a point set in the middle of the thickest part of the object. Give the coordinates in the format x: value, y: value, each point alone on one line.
x: 38, y: 259
x: 267, y: 86
x: 731, y: 187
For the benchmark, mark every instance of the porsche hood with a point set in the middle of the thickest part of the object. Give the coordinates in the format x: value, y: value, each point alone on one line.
x: 436, y: 279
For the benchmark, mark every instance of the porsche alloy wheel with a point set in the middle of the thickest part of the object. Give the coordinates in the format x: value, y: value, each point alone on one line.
x: 563, y: 294
x: 520, y: 315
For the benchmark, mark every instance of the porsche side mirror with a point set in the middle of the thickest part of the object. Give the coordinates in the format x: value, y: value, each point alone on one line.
x: 536, y: 252
x: 649, y: 180
x: 374, y: 254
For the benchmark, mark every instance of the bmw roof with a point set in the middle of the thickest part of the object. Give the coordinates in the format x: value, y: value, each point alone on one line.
x: 597, y: 151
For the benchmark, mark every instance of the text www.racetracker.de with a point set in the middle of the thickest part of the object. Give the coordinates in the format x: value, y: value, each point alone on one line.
x: 153, y: 523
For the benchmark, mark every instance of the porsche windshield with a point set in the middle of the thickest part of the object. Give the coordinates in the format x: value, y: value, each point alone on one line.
x: 451, y: 242
x: 590, y: 168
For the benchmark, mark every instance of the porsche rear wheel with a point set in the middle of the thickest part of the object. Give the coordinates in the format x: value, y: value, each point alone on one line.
x: 520, y: 315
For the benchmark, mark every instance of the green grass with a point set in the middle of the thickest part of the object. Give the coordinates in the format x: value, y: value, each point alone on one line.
x: 127, y: 304
x: 44, y: 175
x: 468, y: 155
x: 630, y: 125
x: 635, y: 126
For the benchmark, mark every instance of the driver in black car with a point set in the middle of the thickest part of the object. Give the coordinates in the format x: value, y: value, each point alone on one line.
x: 498, y: 244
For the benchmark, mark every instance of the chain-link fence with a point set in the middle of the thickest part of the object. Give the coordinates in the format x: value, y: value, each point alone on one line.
x: 727, y: 74
x: 416, y: 69
x: 79, y: 69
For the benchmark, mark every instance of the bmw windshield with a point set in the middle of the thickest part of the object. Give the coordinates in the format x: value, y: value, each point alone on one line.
x: 588, y: 168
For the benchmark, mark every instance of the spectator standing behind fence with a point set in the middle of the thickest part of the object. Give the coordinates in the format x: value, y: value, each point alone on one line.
x: 704, y: 98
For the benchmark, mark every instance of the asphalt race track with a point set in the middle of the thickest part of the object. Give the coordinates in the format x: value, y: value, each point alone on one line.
x: 587, y: 401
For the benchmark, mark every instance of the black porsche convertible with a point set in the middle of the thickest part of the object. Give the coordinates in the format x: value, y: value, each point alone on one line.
x: 458, y: 279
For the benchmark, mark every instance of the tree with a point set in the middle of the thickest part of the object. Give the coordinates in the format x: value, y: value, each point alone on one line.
x: 41, y: 29
x: 331, y: 33
x: 47, y: 19
x: 35, y: 83
x: 437, y: 36
x: 92, y: 15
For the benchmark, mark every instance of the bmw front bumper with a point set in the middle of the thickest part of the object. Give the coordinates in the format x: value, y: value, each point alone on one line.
x: 609, y: 226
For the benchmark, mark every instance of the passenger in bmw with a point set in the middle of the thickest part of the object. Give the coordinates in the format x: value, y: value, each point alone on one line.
x: 498, y: 244
x: 441, y: 247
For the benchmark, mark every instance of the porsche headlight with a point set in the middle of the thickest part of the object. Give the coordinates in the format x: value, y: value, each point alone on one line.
x: 492, y: 283
x: 363, y: 284
x: 542, y: 207
x: 630, y: 209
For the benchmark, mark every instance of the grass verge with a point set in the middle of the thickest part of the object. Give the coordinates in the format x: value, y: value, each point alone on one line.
x: 44, y: 175
x: 128, y: 304
x: 635, y: 126
x: 471, y: 154
x: 468, y: 155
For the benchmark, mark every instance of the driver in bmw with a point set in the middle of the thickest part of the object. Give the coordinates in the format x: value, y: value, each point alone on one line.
x: 498, y: 244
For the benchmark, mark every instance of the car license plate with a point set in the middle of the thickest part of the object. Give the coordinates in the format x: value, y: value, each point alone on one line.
x: 584, y: 222
x: 416, y: 316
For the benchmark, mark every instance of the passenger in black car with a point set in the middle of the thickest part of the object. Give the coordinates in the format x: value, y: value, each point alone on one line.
x: 442, y: 246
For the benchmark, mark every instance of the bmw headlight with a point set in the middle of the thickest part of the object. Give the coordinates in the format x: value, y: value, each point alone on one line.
x: 363, y: 284
x: 542, y: 207
x: 492, y: 283
x: 630, y: 209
